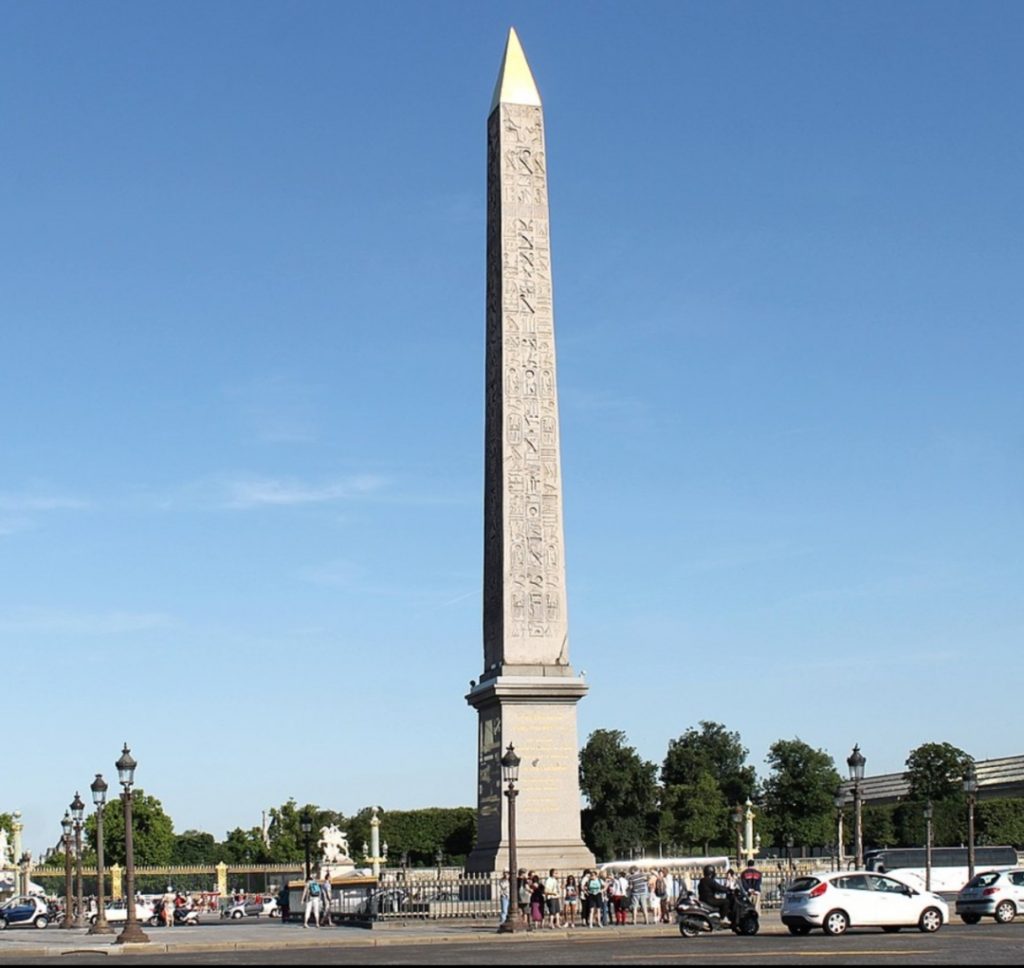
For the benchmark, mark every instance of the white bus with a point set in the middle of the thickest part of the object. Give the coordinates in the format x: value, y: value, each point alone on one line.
x: 949, y: 864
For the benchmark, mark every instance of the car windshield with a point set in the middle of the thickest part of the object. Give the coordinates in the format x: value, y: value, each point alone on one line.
x: 803, y: 884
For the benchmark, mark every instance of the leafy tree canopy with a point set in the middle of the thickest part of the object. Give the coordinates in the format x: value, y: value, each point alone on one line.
x: 800, y: 793
x: 935, y: 771
x: 622, y: 792
x: 711, y: 750
x: 152, y: 831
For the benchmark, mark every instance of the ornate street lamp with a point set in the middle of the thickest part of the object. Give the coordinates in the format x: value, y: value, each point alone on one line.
x: 77, y: 813
x: 928, y: 814
x: 306, y: 825
x: 840, y: 802
x: 68, y: 826
x: 971, y: 789
x: 99, y: 798
x: 132, y: 932
x: 510, y: 775
x: 737, y: 819
x: 856, y: 762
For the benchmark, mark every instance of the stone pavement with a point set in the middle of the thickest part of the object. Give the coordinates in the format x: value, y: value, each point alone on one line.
x: 20, y: 943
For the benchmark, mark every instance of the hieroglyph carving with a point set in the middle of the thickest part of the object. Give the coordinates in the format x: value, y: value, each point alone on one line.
x: 524, y: 576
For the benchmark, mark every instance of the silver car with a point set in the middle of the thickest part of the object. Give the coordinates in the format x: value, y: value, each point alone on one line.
x: 993, y: 894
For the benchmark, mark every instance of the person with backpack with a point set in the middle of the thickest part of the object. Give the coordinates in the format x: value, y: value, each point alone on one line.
x: 311, y: 903
x: 593, y: 887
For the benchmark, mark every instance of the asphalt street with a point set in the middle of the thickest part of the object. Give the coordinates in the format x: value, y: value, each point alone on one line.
x: 450, y: 944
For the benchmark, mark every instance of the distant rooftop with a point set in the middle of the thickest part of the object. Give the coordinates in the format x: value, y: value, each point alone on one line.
x: 1003, y: 777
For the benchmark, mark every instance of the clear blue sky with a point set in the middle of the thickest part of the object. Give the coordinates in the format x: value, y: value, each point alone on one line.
x: 241, y: 450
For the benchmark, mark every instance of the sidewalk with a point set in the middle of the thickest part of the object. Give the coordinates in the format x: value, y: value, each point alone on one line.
x: 20, y: 943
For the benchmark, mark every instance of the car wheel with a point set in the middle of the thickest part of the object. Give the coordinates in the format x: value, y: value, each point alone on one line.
x: 237, y: 915
x: 970, y: 918
x: 154, y: 922
x: 799, y: 929
x: 3, y: 924
x: 835, y: 923
x: 931, y: 920
x: 1005, y: 912
x: 891, y: 928
x: 42, y: 921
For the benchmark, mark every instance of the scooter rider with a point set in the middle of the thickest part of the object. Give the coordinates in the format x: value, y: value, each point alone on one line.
x: 711, y: 893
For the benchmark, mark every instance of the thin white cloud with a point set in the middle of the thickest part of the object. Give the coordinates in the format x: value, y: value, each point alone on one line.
x: 21, y: 503
x: 43, y: 622
x: 276, y: 492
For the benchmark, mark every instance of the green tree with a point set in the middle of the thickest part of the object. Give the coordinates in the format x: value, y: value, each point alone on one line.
x: 246, y: 847
x: 152, y: 831
x: 879, y: 826
x: 699, y: 812
x: 935, y: 772
x: 799, y: 793
x: 1001, y: 821
x: 622, y: 794
x: 195, y: 847
x: 711, y: 750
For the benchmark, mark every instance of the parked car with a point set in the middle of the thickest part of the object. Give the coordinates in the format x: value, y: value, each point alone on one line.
x: 25, y: 911
x: 838, y: 900
x: 994, y: 894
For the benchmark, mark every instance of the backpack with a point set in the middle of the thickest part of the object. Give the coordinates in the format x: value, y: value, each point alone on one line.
x: 314, y: 889
x: 659, y: 887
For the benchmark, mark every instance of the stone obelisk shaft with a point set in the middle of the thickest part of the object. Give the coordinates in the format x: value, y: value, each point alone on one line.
x: 528, y: 691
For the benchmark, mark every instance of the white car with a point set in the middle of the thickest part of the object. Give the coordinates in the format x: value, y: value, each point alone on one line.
x: 838, y: 900
x: 117, y: 912
x: 994, y: 894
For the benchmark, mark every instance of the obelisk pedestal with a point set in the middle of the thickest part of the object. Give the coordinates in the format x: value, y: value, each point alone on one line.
x: 528, y: 692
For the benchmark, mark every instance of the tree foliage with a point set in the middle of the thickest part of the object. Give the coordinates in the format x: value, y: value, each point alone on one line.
x: 714, y: 751
x: 935, y: 772
x: 622, y: 793
x: 800, y: 793
x: 699, y: 811
x: 152, y: 831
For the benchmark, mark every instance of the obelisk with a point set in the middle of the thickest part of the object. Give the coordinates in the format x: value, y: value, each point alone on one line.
x: 528, y: 692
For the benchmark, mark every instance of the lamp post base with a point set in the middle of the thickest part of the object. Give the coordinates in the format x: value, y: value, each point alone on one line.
x: 132, y: 934
x: 506, y: 927
x: 100, y: 927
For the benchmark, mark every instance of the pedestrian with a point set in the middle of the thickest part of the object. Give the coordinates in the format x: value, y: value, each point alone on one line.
x: 750, y: 880
x: 638, y: 893
x: 552, y: 900
x: 284, y: 903
x: 571, y: 896
x: 325, y: 899
x: 593, y: 890
x: 523, y: 897
x: 168, y: 909
x: 503, y: 896
x: 536, y: 904
x: 311, y: 903
x: 618, y: 895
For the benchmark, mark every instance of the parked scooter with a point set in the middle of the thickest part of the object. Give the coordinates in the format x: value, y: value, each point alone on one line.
x: 695, y: 918
x: 182, y: 916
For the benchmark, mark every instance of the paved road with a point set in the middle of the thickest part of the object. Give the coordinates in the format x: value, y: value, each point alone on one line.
x: 272, y: 943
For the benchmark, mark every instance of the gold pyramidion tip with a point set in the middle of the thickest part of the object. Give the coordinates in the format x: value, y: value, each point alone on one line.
x: 515, y: 81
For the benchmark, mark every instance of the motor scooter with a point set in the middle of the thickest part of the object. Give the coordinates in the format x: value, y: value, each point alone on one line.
x: 696, y: 918
x: 182, y: 916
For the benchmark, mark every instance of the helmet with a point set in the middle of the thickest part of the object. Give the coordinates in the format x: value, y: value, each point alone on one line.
x: 709, y: 871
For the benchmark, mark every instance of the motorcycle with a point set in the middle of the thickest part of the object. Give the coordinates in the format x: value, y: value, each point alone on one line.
x: 696, y: 918
x: 182, y: 916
